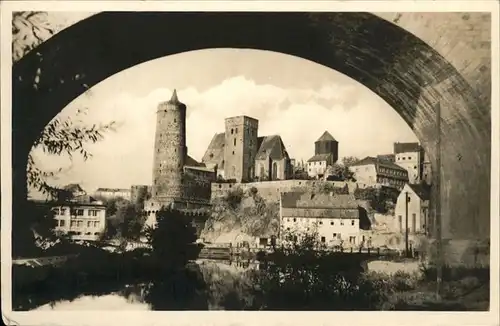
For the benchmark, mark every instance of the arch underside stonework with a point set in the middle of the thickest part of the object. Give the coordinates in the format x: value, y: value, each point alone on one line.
x: 412, y: 76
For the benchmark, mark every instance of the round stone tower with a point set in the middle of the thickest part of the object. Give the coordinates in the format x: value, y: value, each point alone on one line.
x: 170, y: 151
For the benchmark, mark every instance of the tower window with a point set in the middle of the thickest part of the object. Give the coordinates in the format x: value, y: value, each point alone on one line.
x: 175, y: 120
x: 232, y: 131
x: 234, y: 142
x: 233, y: 152
x: 236, y: 131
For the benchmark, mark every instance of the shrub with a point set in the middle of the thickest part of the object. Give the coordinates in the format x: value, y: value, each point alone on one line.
x: 234, y: 197
x: 253, y: 191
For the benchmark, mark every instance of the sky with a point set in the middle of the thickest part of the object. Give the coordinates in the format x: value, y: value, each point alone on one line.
x: 291, y: 97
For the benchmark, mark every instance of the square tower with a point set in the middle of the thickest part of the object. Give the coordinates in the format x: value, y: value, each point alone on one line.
x: 240, y: 148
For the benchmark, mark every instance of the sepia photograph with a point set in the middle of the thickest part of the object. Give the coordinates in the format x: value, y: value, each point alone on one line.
x: 323, y: 159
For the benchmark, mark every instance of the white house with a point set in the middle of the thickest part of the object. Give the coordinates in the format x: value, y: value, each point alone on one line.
x: 334, y: 217
x: 410, y: 156
x: 417, y: 198
x: 83, y: 218
x: 372, y: 171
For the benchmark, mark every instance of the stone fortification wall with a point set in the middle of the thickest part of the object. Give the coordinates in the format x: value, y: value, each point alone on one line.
x: 270, y: 190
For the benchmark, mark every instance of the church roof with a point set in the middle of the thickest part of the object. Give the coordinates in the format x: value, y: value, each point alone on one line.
x: 326, y: 137
x: 272, y: 147
x: 215, y: 151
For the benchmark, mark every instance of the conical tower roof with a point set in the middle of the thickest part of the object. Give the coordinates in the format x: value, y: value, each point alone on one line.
x: 326, y: 137
x: 174, y: 99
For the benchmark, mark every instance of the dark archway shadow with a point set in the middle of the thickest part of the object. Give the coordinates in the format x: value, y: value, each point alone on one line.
x: 403, y: 70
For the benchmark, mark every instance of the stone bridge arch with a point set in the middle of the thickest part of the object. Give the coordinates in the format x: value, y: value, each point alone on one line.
x: 412, y: 61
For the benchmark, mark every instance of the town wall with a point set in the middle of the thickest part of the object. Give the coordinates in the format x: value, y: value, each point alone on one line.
x: 270, y: 190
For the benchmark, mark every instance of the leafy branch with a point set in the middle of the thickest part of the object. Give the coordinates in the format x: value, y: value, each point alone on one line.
x: 29, y: 29
x: 63, y: 137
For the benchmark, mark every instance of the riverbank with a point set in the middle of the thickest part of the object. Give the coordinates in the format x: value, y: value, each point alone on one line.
x: 252, y: 285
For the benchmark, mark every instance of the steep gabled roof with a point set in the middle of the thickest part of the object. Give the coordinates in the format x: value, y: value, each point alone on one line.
x: 272, y: 147
x: 423, y: 191
x: 215, y: 151
x: 325, y: 137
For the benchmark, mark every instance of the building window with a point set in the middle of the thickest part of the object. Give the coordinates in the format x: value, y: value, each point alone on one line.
x: 232, y: 131
x: 331, y: 223
x: 352, y: 222
x: 323, y: 239
x: 341, y: 222
x: 62, y: 223
x: 79, y: 223
x: 295, y: 220
x: 320, y: 222
x: 236, y: 131
x: 352, y: 239
x: 400, y: 219
x: 63, y: 211
x: 92, y: 212
x: 79, y: 212
x: 96, y: 224
x: 234, y: 142
x: 88, y: 224
x: 233, y: 152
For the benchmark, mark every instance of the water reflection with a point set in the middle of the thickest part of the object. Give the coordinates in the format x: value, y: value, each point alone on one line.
x: 206, y: 285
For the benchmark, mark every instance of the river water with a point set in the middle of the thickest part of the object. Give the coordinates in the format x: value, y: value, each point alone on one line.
x: 221, y: 277
x: 132, y: 297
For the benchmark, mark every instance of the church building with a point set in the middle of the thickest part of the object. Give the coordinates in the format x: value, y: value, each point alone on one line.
x: 240, y: 154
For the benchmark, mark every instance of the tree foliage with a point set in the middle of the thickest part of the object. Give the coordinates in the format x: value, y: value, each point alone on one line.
x: 171, y: 238
x: 62, y: 136
x: 58, y: 138
x: 301, y: 275
x: 132, y: 221
x: 234, y: 197
x: 381, y: 199
x: 29, y: 29
x: 326, y: 188
x: 349, y: 160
